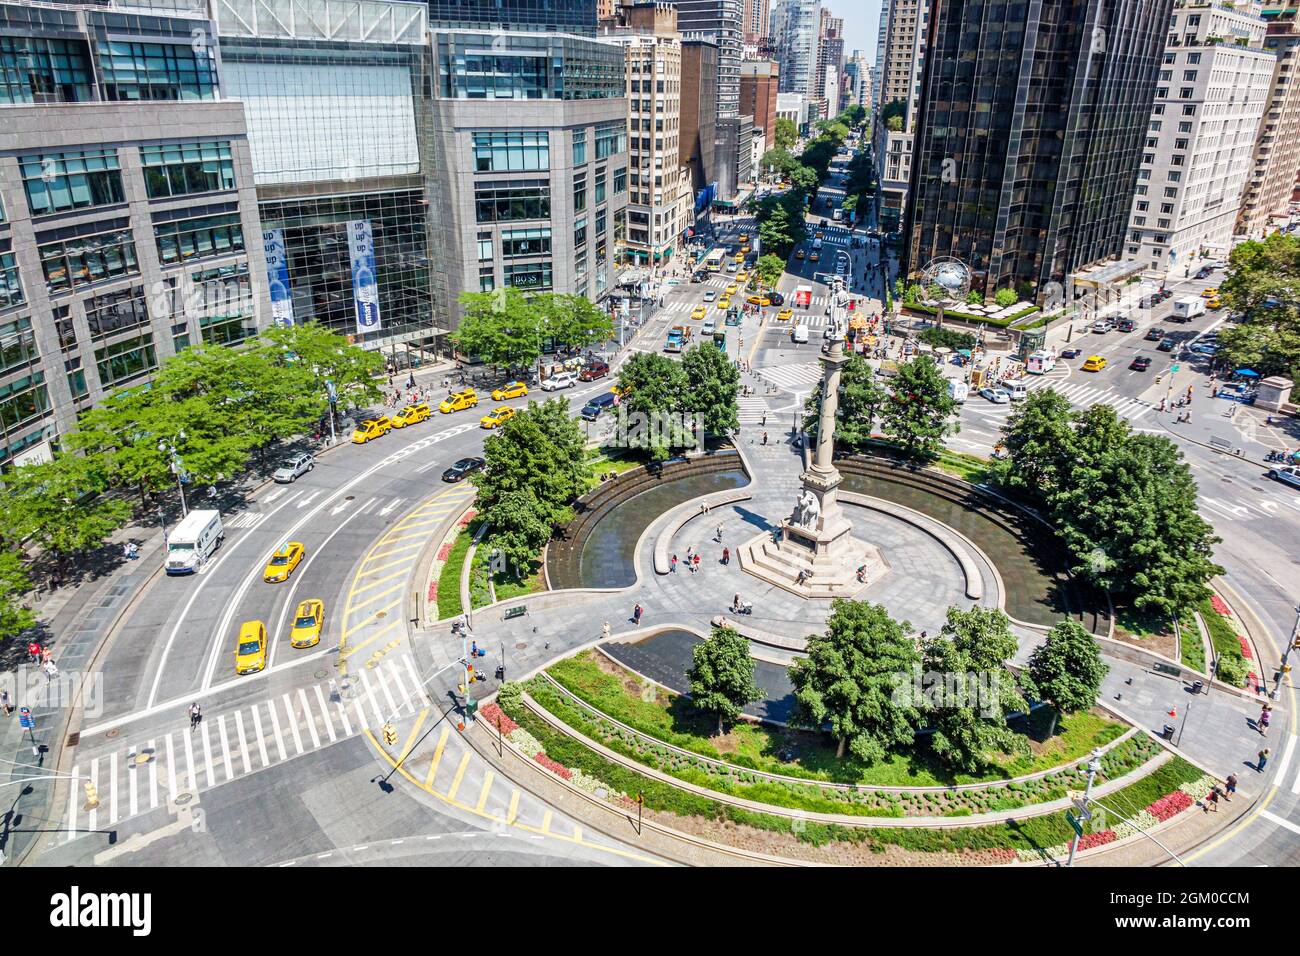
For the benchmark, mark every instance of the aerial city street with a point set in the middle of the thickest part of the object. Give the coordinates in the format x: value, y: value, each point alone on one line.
x: 649, y: 434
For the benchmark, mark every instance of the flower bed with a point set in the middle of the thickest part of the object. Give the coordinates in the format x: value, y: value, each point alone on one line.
x: 739, y: 782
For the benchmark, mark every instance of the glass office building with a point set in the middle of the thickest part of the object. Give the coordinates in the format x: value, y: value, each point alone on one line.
x: 1029, y: 135
x: 566, y: 16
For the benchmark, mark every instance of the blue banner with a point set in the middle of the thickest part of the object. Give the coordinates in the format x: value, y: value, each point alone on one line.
x: 277, y: 274
x: 365, y: 288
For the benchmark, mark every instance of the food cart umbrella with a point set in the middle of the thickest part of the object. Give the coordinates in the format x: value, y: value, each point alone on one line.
x: 1247, y: 373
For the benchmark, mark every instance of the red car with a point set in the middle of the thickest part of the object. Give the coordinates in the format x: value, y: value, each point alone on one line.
x: 595, y: 369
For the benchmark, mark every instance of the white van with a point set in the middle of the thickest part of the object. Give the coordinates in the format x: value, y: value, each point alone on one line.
x: 958, y: 390
x: 193, y: 540
x: 799, y: 334
x: 1014, y: 387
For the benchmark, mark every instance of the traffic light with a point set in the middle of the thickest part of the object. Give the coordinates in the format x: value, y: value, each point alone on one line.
x: 390, y: 735
x: 92, y: 796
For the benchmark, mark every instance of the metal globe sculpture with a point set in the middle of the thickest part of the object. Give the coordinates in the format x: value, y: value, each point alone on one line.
x: 950, y: 275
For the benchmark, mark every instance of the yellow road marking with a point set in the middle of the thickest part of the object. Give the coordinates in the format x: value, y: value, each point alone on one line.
x: 353, y: 608
x: 483, y: 793
x: 383, y: 610
x: 577, y: 834
x: 437, y: 756
x: 460, y: 775
x: 346, y: 652
x: 389, y: 539
x: 415, y: 731
x: 405, y: 562
x: 527, y: 828
x: 546, y: 822
x: 421, y: 520
x: 370, y: 584
x: 513, y: 813
x: 384, y: 554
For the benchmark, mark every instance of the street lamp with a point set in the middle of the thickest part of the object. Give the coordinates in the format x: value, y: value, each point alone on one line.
x: 177, y: 468
x: 1094, y: 767
x: 1286, y: 654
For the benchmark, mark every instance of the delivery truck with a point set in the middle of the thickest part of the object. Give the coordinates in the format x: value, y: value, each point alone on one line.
x: 193, y: 540
x: 1188, y: 308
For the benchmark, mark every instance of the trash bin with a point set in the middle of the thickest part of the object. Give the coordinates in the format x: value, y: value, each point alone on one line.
x: 1168, y: 732
x: 1198, y: 686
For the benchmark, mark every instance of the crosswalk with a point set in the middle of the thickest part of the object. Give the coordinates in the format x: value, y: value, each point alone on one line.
x: 751, y: 410
x: 1085, y: 395
x: 226, y: 745
x: 799, y: 377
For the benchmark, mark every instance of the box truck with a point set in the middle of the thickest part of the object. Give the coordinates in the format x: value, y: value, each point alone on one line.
x: 193, y: 540
x: 1188, y: 308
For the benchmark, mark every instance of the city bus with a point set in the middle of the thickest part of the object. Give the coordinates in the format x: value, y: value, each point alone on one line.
x: 713, y: 261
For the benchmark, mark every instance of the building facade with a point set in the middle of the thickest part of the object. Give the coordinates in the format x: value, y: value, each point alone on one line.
x: 1028, y: 143
x: 895, y: 120
x: 720, y: 22
x: 830, y: 60
x: 128, y: 218
x: 1276, y: 163
x: 699, y: 115
x: 1212, y: 90
x: 795, y: 25
x: 759, y: 85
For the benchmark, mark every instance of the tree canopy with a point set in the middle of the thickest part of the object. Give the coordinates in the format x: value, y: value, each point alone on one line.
x: 721, y: 676
x: 1263, y: 287
x: 918, y: 412
x: 861, y: 400
x: 1066, y: 670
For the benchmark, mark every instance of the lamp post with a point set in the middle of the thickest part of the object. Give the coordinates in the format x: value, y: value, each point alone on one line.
x: 177, y: 468
x: 1286, y: 654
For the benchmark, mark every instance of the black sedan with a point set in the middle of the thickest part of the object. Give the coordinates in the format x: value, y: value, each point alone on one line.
x: 1166, y: 345
x: 1071, y: 353
x: 1140, y: 363
x: 460, y: 469
x: 1155, y: 334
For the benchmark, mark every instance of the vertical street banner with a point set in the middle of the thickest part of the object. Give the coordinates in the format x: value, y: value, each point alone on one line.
x: 277, y: 273
x: 365, y: 288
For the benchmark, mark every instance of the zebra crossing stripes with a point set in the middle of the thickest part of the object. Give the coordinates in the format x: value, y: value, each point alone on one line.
x: 1085, y: 395
x: 248, y: 519
x: 799, y: 377
x: 751, y: 410
x: 226, y: 746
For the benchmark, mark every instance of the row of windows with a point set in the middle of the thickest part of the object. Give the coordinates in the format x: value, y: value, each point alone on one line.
x: 527, y: 151
x: 11, y: 289
x: 41, y: 70
x: 610, y: 140
x: 182, y: 169
x: 494, y: 202
x: 155, y: 71
x: 197, y: 238
x: 74, y: 179
x: 120, y: 362
x: 86, y: 259
x: 23, y: 400
x: 531, y: 275
x: 116, y: 311
x: 17, y: 345
x: 525, y: 242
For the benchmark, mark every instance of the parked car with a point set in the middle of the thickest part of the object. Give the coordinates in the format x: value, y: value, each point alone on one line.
x: 1166, y: 345
x: 293, y: 468
x: 462, y: 468
x: 596, y: 368
x: 1102, y: 326
x: 1140, y: 363
x: 559, y: 381
x: 995, y: 395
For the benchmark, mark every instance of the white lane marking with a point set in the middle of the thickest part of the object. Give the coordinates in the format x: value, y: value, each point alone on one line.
x: 153, y: 775
x: 275, y: 726
x: 393, y: 707
x: 260, y: 734
x: 209, y: 770
x: 343, y: 716
x: 171, y: 770
x: 1283, y: 823
x: 307, y: 716
x: 112, y: 787
x: 325, y: 712
x: 132, y: 772
x: 72, y: 804
x: 370, y: 696
x: 419, y: 685
x: 275, y: 494
x: 93, y: 822
x: 191, y: 778
x: 243, y: 742
x: 293, y: 724
x: 309, y: 498
x: 225, y: 747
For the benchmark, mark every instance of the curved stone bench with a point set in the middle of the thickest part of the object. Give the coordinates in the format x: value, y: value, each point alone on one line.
x: 679, y: 516
x: 953, y: 542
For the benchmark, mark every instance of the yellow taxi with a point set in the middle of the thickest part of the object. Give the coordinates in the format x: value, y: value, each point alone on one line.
x: 743, y: 237
x: 510, y: 390
x: 759, y: 300
x: 740, y: 257
x: 1210, y: 293
x: 742, y: 276
x: 1094, y: 363
x: 1215, y: 303
x: 785, y: 314
x: 724, y: 303
x: 307, y: 622
x: 699, y: 312
x: 815, y: 257
x: 820, y: 235
x: 283, y: 562
x: 250, y: 649
x: 744, y: 249
x: 498, y: 416
x: 371, y: 429
x: 458, y: 401
x: 731, y: 289
x: 799, y: 254
x: 412, y: 414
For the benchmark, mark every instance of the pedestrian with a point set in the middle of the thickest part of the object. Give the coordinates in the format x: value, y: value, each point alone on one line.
x: 672, y: 565
x: 1230, y: 786
x: 51, y: 671
x: 718, y: 534
x: 604, y: 630
x: 47, y: 655
x: 6, y: 703
x: 1262, y: 723
x: 194, y: 714
x: 1212, y: 800
x: 726, y: 555
x: 1261, y: 759
x: 637, y: 611
x: 764, y: 421
x: 34, y: 651
x: 704, y: 506
x: 695, y: 562
x: 764, y: 438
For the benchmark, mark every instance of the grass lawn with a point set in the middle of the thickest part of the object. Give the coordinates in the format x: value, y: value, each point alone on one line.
x: 672, y: 719
x: 1233, y: 667
x: 1192, y: 650
x: 449, y: 579
x: 603, y: 460
x: 1142, y: 625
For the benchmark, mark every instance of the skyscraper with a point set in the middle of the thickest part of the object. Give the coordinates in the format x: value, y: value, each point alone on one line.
x: 1277, y: 147
x: 1029, y: 135
x: 795, y: 25
x: 569, y: 16
x: 719, y: 21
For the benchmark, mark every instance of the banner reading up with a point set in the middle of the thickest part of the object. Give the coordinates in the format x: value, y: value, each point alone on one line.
x: 365, y: 290
x: 277, y: 273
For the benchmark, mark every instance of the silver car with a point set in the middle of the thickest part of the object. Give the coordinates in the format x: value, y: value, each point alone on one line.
x: 295, y: 466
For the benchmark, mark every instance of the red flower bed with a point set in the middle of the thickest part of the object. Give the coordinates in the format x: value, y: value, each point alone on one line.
x: 444, y: 552
x: 1002, y: 854
x: 497, y: 718
x: 469, y: 516
x: 1099, y: 838
x: 1169, y: 805
x: 1218, y: 604
x: 551, y: 765
x: 1245, y: 647
x: 433, y: 590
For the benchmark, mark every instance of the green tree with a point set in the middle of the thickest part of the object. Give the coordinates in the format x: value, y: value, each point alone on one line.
x: 60, y: 506
x: 712, y: 384
x: 892, y: 109
x: 861, y: 399
x: 973, y: 690
x: 1006, y: 298
x: 721, y: 676
x: 894, y: 124
x: 654, y: 389
x: 848, y: 679
x: 778, y: 160
x: 786, y: 133
x: 503, y: 327
x: 517, y: 529
x: 919, y: 409
x: 1039, y: 437
x: 1263, y: 287
x: 1066, y: 670
x: 330, y: 357
x: 770, y: 268
x: 802, y: 178
x: 573, y: 321
x: 15, y: 590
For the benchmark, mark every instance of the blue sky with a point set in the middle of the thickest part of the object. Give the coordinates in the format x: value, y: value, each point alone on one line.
x: 861, y: 21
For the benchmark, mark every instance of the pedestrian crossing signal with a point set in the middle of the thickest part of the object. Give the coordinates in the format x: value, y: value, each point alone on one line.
x: 390, y: 734
x: 92, y: 796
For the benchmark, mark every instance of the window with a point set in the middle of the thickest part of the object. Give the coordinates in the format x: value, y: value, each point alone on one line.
x: 1193, y: 58
x: 532, y: 275
x: 600, y: 221
x: 41, y: 70
x: 155, y: 71
x: 620, y: 181
x: 1184, y: 127
x: 125, y: 360
x: 611, y: 138
x: 23, y: 400
x: 75, y: 179
x: 579, y: 192
x: 525, y: 242
x: 75, y: 262
x: 527, y: 151
x: 507, y: 202
x: 1180, y: 144
x: 1189, y: 110
x: 17, y: 345
x: 181, y: 169
x: 580, y: 233
x: 485, y: 247
x: 600, y: 185
x: 579, y: 147
x: 199, y: 238
x: 1166, y: 207
x: 11, y: 289
x: 486, y: 280
x: 1142, y: 206
x: 223, y: 298
x: 116, y: 311
x: 1189, y: 76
